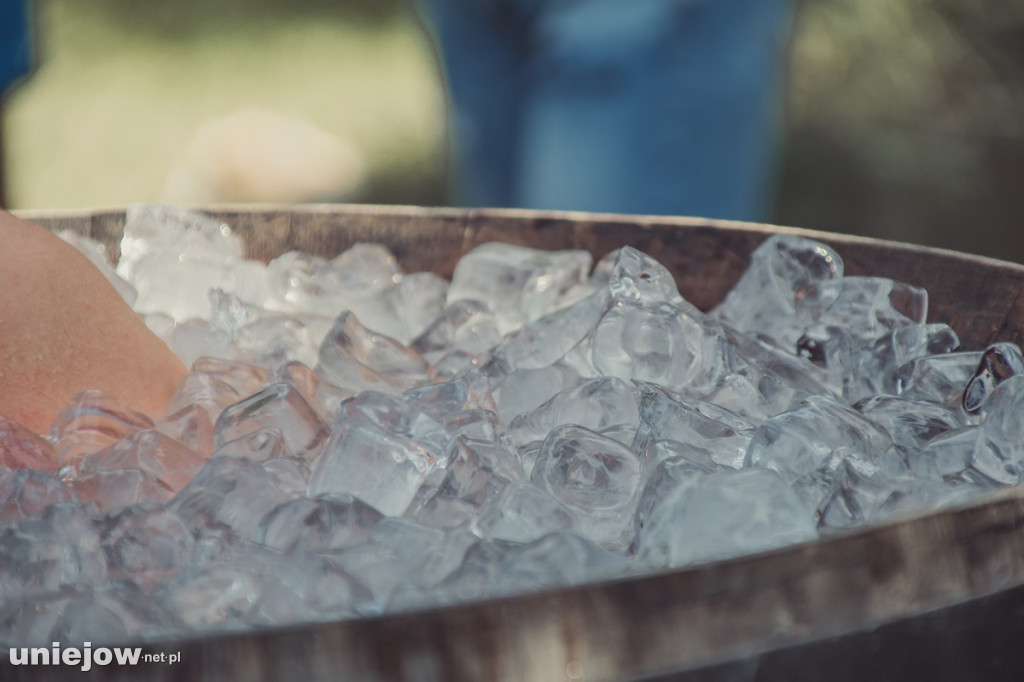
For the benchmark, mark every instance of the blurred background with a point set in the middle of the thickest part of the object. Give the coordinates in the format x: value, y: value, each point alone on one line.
x: 904, y: 119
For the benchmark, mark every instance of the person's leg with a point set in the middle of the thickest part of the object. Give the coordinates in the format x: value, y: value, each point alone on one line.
x: 672, y: 108
x: 482, y: 49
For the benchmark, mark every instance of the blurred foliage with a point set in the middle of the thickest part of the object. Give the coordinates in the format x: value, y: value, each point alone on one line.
x: 906, y: 121
x: 188, y: 18
x: 122, y: 87
x: 905, y: 117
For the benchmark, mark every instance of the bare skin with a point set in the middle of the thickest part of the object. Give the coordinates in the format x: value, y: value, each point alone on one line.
x: 64, y: 330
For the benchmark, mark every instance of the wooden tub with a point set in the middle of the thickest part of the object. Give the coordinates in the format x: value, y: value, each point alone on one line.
x: 931, y: 597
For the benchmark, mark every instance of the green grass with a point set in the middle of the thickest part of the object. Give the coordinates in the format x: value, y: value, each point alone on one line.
x: 112, y: 104
x: 906, y: 118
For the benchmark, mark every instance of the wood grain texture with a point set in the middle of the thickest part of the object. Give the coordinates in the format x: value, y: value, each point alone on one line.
x: 674, y: 625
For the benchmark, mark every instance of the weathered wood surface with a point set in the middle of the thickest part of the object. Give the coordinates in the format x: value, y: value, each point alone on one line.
x: 727, y: 617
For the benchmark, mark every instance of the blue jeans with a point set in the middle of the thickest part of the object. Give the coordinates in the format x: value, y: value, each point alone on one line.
x: 15, y: 42
x: 631, y: 106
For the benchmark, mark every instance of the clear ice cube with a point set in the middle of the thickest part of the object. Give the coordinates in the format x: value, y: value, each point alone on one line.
x: 596, y: 404
x: 112, y: 614
x: 418, y: 300
x: 523, y: 512
x: 20, y: 448
x: 93, y: 421
x: 356, y: 358
x: 520, y: 284
x: 782, y: 271
x: 25, y: 493
x: 809, y: 446
x: 597, y: 478
x: 230, y: 491
x: 464, y: 332
x: 497, y: 567
x: 727, y: 514
x: 169, y: 462
x: 147, y: 545
x: 725, y: 436
x: 279, y: 406
x: 1000, y: 448
x: 173, y: 258
x: 381, y: 451
x: 998, y: 363
x: 329, y: 523
x: 104, y: 491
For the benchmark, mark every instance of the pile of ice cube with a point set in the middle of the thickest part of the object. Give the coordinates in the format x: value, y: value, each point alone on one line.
x: 353, y: 439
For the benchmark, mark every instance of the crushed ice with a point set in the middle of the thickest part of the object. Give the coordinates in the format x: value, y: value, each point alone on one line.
x: 353, y: 439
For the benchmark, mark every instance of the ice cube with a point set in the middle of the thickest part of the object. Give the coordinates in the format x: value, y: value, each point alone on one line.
x: 476, y: 472
x: 697, y: 424
x: 214, y: 594
x: 381, y: 451
x: 20, y: 448
x: 546, y: 340
x: 262, y: 445
x: 173, y: 258
x: 1000, y: 448
x: 93, y: 421
x: 60, y: 547
x: 481, y: 425
x: 260, y: 337
x: 359, y: 280
x: 231, y: 491
x: 522, y: 512
x: 282, y: 407
x: 998, y: 363
x: 938, y: 378
x: 310, y: 587
x: 669, y: 346
x: 518, y: 283
x: 525, y: 390
x: 949, y: 454
x: 104, y: 491
x: 911, y: 424
x: 322, y: 396
x: 28, y: 620
x: 383, y: 470
x: 402, y: 552
x: 463, y: 334
x: 497, y: 567
x: 328, y: 523
x: 418, y: 300
x: 244, y: 378
x: 863, y: 497
x: 147, y: 545
x: 439, y: 400
x: 727, y: 514
x: 670, y: 478
x: 206, y: 391
x: 162, y: 457
x: 289, y: 474
x: 356, y: 358
x: 595, y: 404
x: 25, y: 493
x: 597, y: 478
x: 114, y: 613
x: 809, y: 446
x: 782, y: 271
x: 192, y: 426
